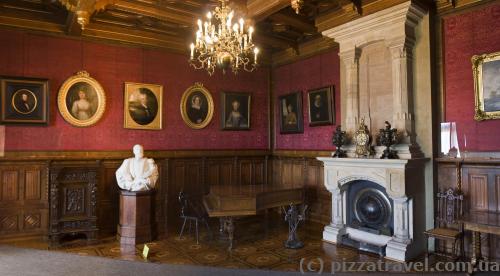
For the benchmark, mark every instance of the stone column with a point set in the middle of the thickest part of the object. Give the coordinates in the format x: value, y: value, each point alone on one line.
x: 336, y: 229
x: 350, y: 59
x: 402, y: 86
x: 401, y: 219
x: 397, y: 247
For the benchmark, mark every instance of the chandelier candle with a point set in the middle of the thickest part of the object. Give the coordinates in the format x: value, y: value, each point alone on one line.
x: 221, y: 44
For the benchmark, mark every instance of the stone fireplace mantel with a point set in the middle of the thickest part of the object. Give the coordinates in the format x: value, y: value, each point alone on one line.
x: 376, y: 53
x: 379, y: 79
x: 402, y: 180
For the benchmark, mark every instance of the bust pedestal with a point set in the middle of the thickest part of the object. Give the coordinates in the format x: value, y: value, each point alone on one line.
x: 136, y: 216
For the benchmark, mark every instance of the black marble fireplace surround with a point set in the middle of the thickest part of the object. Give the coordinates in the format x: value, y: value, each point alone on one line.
x: 369, y: 209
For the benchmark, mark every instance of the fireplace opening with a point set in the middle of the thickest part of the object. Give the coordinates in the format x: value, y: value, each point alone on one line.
x: 369, y: 208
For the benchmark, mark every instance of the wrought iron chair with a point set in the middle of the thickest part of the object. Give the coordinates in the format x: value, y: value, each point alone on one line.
x: 193, y: 211
x: 448, y: 227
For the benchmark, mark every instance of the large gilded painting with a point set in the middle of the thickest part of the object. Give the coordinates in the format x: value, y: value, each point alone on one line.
x: 81, y: 100
x: 486, y: 69
x: 143, y: 108
x: 197, y: 106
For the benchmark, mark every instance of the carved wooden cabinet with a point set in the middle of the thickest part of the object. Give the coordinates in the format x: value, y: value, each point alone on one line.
x: 73, y: 200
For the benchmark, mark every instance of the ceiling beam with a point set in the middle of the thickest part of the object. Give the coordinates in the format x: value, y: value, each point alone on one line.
x: 27, y: 20
x: 450, y: 6
x: 351, y: 10
x: 260, y: 9
x: 274, y: 41
x: 304, y: 50
x: 171, y: 14
x: 136, y: 37
x: 72, y: 26
x: 294, y: 21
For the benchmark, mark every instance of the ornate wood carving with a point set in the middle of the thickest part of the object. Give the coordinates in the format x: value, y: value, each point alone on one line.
x: 180, y: 170
x: 480, y: 183
x: 73, y: 200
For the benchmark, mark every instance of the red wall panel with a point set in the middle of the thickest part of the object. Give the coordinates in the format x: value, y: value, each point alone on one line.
x: 465, y: 35
x: 315, y: 72
x: 23, y: 54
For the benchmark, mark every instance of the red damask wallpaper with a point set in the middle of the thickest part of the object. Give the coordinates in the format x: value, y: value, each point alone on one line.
x: 315, y: 72
x: 23, y: 54
x: 465, y: 35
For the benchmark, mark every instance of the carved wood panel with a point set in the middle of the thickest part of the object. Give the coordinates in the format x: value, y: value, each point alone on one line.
x: 477, y: 189
x: 10, y: 185
x: 32, y: 185
x: 220, y: 172
x: 305, y: 172
x: 246, y: 173
x: 108, y: 200
x: 481, y: 188
x: 73, y: 199
x: 24, y: 190
x: 23, y: 199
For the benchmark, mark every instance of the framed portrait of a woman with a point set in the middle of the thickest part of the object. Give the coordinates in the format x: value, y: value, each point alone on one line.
x: 235, y: 113
x: 197, y: 106
x: 290, y: 111
x: 81, y: 100
x: 24, y: 100
x: 143, y: 106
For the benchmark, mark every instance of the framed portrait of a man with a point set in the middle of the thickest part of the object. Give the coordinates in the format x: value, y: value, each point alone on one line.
x: 197, y: 106
x: 24, y: 100
x: 235, y: 113
x: 290, y: 112
x: 321, y: 103
x: 486, y: 70
x: 81, y: 100
x: 143, y: 106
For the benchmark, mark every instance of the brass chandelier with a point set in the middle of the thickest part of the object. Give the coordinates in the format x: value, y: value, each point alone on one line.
x: 222, y: 44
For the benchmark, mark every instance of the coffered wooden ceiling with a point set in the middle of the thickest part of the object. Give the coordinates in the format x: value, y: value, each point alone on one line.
x: 280, y: 32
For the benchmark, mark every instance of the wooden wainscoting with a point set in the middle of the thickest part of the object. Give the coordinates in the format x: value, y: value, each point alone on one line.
x: 24, y: 204
x: 24, y: 184
x: 194, y: 176
x: 481, y: 187
x: 298, y: 169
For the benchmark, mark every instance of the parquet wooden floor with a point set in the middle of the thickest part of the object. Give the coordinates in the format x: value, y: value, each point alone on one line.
x: 253, y: 248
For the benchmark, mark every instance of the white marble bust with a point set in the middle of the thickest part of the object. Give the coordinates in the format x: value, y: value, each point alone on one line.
x: 137, y: 173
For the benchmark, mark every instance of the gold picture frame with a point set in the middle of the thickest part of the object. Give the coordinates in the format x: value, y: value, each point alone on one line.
x: 485, y: 69
x: 81, y: 100
x: 197, y: 106
x: 142, y: 106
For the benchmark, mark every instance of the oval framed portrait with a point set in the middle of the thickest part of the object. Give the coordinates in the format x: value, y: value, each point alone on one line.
x: 81, y: 100
x: 197, y: 106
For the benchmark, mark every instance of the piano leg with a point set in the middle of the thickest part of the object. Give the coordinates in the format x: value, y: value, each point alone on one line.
x: 229, y: 228
x: 221, y: 227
